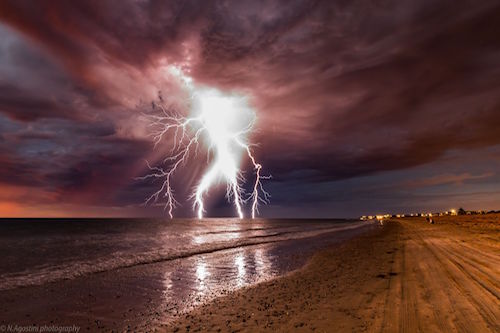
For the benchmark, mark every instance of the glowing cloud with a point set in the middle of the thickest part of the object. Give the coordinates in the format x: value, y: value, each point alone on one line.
x: 221, y: 122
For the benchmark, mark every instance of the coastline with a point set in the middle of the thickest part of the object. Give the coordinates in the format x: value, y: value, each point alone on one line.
x: 142, y: 297
x: 403, y: 276
x: 407, y: 276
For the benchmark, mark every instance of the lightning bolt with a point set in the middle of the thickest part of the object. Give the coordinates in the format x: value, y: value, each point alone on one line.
x: 222, y: 123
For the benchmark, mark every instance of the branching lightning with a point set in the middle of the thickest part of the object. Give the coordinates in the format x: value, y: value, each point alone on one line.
x: 220, y: 123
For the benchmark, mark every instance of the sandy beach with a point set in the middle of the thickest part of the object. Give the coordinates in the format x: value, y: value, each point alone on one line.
x: 407, y: 276
x: 403, y: 276
x: 136, y: 275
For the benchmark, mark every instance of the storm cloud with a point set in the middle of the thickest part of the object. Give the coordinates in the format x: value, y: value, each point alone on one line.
x: 350, y: 96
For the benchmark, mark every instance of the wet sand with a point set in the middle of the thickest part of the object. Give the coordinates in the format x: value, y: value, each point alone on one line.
x: 404, y: 276
x: 145, y: 296
x: 407, y: 276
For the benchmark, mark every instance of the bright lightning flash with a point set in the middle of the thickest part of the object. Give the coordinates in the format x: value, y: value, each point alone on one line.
x: 222, y: 123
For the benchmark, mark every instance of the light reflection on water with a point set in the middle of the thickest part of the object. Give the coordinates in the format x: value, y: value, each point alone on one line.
x: 188, y: 282
x: 201, y: 273
x: 166, y: 267
x: 191, y: 281
x: 218, y: 236
x: 239, y: 262
x: 259, y: 261
x: 79, y: 248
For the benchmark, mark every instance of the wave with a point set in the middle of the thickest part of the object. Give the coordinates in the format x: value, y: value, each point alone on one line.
x: 126, y: 259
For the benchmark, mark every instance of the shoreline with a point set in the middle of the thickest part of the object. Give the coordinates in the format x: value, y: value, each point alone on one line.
x: 404, y: 276
x: 407, y: 276
x: 272, y: 305
x: 134, y: 297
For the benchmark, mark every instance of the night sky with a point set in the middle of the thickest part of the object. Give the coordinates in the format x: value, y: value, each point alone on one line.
x: 363, y: 106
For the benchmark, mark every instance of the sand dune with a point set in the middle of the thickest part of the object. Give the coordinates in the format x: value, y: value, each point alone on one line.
x: 407, y: 276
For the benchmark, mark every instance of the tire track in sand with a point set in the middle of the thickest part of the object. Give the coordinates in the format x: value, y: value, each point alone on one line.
x: 438, y: 285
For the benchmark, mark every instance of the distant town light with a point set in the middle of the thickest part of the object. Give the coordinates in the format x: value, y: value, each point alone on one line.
x: 451, y: 212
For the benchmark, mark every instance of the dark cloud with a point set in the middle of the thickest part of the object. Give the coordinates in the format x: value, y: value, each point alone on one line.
x: 379, y: 94
x: 94, y: 177
x: 343, y: 89
x: 17, y: 172
x: 20, y: 105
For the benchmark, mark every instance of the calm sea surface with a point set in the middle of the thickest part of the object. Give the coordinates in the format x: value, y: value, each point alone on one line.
x: 35, y: 252
x: 124, y: 271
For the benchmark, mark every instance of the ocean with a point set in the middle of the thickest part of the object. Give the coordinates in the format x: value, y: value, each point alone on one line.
x: 174, y: 264
x: 36, y: 251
